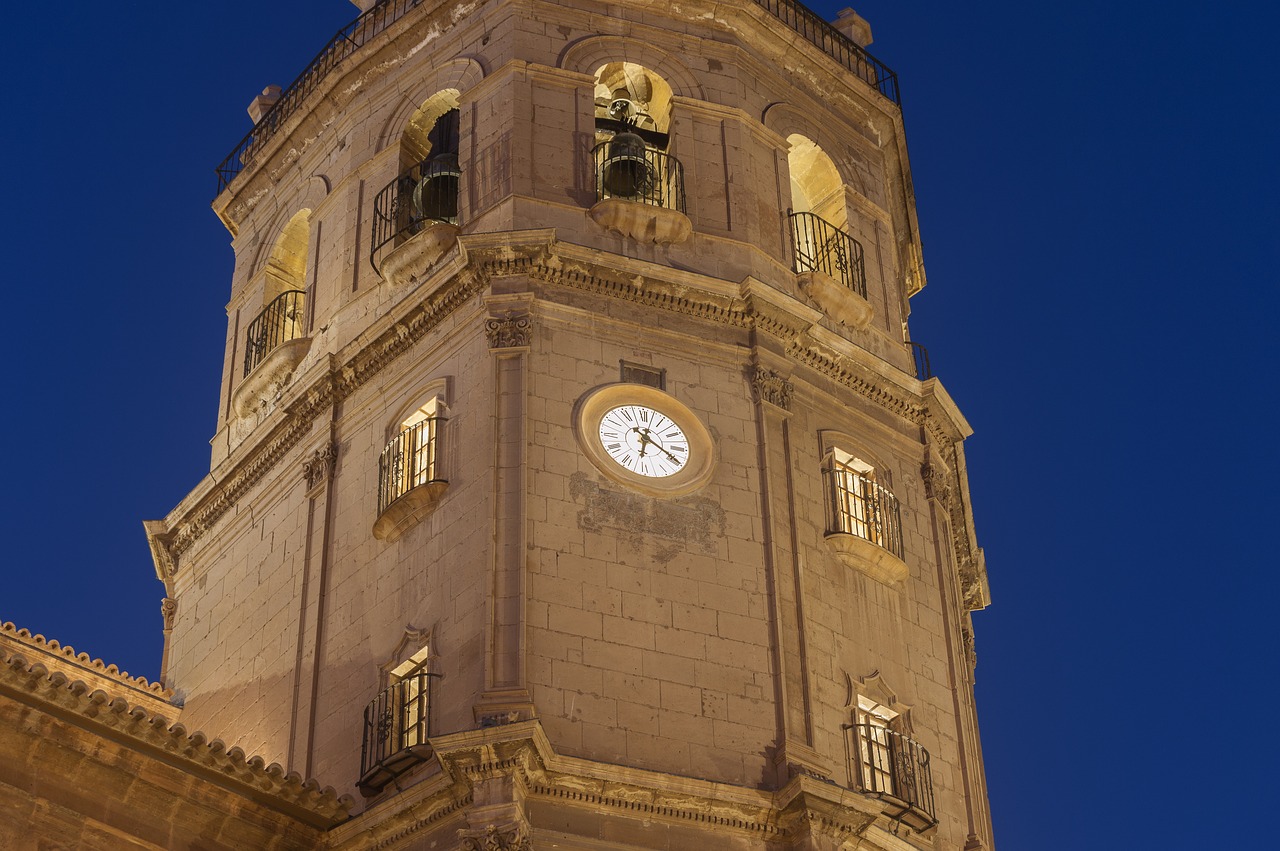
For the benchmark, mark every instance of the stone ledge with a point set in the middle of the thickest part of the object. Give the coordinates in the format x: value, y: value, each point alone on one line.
x: 870, y: 558
x: 841, y: 303
x: 642, y: 222
x: 269, y: 375
x: 415, y: 504
x: 410, y: 260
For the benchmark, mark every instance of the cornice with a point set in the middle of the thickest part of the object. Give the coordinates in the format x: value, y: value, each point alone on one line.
x: 117, y: 719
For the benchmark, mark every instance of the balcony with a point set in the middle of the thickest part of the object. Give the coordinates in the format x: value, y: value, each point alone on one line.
x: 397, y: 727
x: 835, y: 44
x: 275, y: 343
x: 639, y: 191
x: 864, y: 524
x: 410, y: 479
x: 894, y: 768
x: 415, y: 219
x: 830, y: 268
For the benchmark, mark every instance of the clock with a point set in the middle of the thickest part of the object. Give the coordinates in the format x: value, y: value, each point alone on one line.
x: 644, y: 438
x: 644, y: 441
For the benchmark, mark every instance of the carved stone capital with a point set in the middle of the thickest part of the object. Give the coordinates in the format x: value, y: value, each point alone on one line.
x: 772, y: 387
x: 937, y: 483
x: 168, y: 611
x: 319, y: 466
x: 494, y: 838
x: 509, y: 332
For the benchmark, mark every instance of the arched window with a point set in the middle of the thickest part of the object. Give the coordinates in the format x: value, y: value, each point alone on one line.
x: 864, y: 524
x: 411, y: 476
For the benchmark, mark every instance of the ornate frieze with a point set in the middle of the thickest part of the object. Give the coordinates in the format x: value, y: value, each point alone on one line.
x: 494, y: 838
x: 772, y: 387
x: 509, y: 332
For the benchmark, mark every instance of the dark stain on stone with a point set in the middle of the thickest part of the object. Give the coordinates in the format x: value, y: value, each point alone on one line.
x: 689, y: 521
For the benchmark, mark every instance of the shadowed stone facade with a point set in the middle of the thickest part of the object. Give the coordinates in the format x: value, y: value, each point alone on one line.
x: 411, y: 575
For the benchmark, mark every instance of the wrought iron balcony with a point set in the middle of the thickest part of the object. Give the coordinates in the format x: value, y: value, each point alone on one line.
x: 921, y: 356
x: 835, y: 44
x: 397, y: 730
x: 425, y: 195
x: 630, y: 169
x: 820, y: 246
x: 895, y: 768
x: 411, y: 459
x: 858, y: 505
x: 345, y: 42
x: 280, y: 322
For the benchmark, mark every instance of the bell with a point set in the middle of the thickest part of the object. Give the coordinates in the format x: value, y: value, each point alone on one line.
x: 435, y: 198
x: 627, y: 173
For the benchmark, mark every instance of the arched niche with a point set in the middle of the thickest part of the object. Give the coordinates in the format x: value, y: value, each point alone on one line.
x: 816, y: 186
x: 286, y: 267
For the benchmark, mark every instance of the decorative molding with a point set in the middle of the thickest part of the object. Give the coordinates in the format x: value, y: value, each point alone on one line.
x: 772, y: 387
x: 509, y: 332
x: 494, y: 838
x: 319, y: 467
x: 168, y: 611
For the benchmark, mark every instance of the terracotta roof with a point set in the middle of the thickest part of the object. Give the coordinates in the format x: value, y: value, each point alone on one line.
x: 28, y: 679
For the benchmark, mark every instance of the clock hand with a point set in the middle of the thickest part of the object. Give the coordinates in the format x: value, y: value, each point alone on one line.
x: 644, y: 436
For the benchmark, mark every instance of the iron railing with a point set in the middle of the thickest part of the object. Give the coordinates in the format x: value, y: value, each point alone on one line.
x: 423, y: 195
x: 629, y: 169
x: 345, y: 42
x: 921, y: 356
x: 835, y: 44
x: 411, y: 459
x: 820, y: 246
x: 278, y: 323
x: 397, y: 720
x: 892, y: 765
x: 858, y: 505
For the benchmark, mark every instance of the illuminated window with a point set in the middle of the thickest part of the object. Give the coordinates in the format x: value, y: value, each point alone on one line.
x: 413, y: 457
x: 889, y: 764
x: 397, y: 723
x: 859, y: 505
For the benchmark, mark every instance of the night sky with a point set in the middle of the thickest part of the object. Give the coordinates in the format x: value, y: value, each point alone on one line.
x: 1097, y: 188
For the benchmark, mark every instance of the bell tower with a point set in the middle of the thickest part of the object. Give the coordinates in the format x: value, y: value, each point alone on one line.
x: 576, y: 481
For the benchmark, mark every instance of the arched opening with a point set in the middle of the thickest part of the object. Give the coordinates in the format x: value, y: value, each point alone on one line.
x: 628, y: 95
x: 816, y: 186
x: 819, y: 237
x: 425, y: 193
x: 287, y: 263
x: 633, y: 117
x: 283, y: 316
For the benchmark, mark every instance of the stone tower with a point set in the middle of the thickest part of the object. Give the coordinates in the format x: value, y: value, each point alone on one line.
x: 575, y: 482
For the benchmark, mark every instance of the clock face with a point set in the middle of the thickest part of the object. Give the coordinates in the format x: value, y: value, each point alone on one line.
x: 644, y: 441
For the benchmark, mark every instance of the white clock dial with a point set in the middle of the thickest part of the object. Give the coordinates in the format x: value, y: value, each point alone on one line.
x: 644, y: 441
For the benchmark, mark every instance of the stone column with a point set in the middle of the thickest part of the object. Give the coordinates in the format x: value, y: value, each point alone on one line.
x: 506, y: 699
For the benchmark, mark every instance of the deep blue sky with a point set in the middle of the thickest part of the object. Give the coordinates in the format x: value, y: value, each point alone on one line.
x: 1097, y: 193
